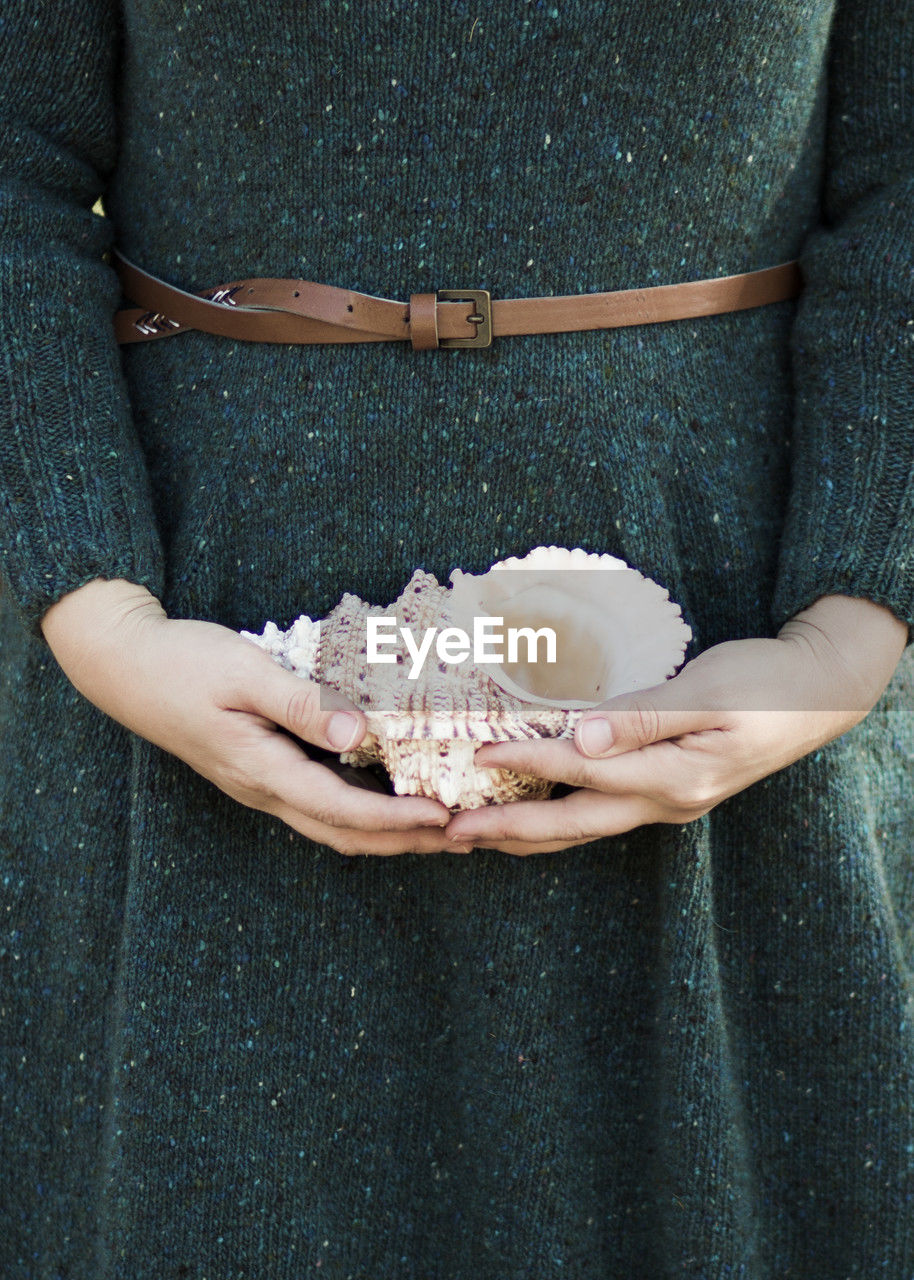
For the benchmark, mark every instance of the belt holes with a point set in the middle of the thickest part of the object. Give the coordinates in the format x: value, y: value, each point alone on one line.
x: 295, y: 294
x: 349, y: 308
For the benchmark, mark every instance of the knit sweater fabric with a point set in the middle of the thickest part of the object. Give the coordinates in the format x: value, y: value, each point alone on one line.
x: 229, y: 1053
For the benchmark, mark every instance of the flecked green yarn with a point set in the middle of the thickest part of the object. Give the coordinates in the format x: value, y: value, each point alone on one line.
x: 228, y: 1052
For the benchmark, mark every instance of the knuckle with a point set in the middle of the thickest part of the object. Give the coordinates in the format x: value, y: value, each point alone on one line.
x: 679, y: 794
x: 503, y: 831
x: 302, y: 711
x: 242, y: 785
x: 706, y: 794
x: 236, y: 676
x: 348, y: 845
x: 685, y: 816
x: 503, y: 834
x: 642, y: 722
x: 590, y: 774
x: 322, y: 811
x: 693, y: 793
x: 576, y: 833
x: 694, y: 799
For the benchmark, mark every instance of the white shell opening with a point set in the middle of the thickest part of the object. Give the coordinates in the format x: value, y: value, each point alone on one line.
x: 616, y: 630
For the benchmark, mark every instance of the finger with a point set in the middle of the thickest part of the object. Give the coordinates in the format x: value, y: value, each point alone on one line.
x: 676, y: 773
x: 578, y: 817
x: 282, y: 770
x: 311, y: 711
x: 677, y: 707
x: 553, y: 758
x: 353, y: 842
x: 520, y: 848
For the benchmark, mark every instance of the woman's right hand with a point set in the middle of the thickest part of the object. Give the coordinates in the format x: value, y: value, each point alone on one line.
x: 214, y: 699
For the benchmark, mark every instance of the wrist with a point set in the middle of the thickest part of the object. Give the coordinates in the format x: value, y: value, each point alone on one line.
x: 863, y: 638
x: 854, y: 618
x: 97, y: 605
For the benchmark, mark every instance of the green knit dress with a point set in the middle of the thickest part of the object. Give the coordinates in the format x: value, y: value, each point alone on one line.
x: 228, y: 1053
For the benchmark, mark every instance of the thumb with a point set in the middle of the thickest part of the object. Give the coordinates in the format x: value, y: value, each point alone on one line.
x: 311, y: 711
x: 634, y: 720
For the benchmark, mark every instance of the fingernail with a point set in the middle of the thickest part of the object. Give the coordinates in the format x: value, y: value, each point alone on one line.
x: 435, y: 822
x: 595, y: 736
x: 461, y: 848
x: 342, y: 731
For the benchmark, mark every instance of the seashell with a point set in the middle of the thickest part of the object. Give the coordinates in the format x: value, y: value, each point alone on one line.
x: 616, y: 630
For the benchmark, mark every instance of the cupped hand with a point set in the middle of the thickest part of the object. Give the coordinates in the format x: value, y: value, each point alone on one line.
x: 209, y: 696
x: 736, y: 713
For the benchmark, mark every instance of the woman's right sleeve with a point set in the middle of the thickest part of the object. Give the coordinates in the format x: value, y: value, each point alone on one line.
x: 75, y: 500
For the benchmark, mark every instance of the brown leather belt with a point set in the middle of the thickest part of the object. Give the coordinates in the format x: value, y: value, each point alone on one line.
x: 299, y: 311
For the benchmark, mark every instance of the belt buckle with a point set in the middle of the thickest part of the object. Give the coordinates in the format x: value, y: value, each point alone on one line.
x: 481, y: 317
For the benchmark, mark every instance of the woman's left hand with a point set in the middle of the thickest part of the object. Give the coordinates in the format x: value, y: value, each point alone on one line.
x: 736, y: 713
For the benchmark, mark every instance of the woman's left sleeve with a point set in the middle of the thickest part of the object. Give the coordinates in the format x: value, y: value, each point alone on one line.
x: 849, y: 527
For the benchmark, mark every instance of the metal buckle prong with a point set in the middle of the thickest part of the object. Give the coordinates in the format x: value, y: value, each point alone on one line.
x: 481, y: 317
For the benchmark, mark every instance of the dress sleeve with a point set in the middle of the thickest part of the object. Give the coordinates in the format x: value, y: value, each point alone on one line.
x: 849, y: 525
x: 75, y: 500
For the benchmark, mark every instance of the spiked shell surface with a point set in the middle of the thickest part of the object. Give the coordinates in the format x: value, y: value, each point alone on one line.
x: 425, y: 730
